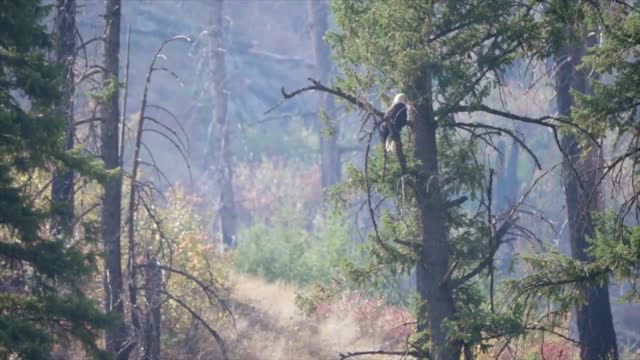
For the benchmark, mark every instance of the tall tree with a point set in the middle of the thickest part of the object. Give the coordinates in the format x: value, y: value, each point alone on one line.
x: 601, y: 245
x: 39, y: 277
x: 329, y: 153
x: 442, y: 54
x: 581, y: 174
x: 62, y: 188
x: 112, y: 197
x: 433, y: 261
x: 219, y: 151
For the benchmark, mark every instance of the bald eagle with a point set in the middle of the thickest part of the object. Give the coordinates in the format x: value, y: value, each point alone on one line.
x: 395, y: 118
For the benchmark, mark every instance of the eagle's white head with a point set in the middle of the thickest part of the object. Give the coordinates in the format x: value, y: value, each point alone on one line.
x: 400, y: 98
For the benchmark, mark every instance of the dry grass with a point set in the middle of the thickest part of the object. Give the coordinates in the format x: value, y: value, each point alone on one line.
x: 269, y: 326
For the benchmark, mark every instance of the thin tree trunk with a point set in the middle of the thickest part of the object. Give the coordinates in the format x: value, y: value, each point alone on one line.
x: 506, y: 194
x: 433, y: 263
x: 65, y: 52
x: 506, y: 188
x: 153, y: 286
x: 581, y: 172
x: 222, y: 152
x: 329, y: 154
x: 111, y: 205
x: 62, y: 183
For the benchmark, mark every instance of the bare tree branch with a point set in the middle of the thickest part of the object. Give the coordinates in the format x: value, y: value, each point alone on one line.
x: 413, y: 353
x: 541, y: 121
x: 497, y: 240
x: 205, y: 288
x: 316, y: 85
x: 175, y: 119
x: 506, y: 131
x: 175, y: 134
x: 195, y: 315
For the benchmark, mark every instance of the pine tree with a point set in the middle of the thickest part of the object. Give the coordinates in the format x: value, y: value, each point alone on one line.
x: 447, y: 57
x: 38, y: 291
x: 582, y: 171
x: 604, y: 40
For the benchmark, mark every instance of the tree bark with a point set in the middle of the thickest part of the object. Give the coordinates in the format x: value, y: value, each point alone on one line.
x: 112, y: 198
x: 65, y: 51
x: 433, y: 263
x: 329, y: 154
x: 223, y: 163
x: 581, y: 171
x: 62, y: 183
x: 153, y: 286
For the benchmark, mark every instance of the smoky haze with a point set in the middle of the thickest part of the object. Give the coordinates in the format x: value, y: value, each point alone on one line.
x: 275, y: 145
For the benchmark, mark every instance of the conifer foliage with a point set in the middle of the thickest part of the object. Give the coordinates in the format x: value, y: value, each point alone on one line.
x: 39, y: 295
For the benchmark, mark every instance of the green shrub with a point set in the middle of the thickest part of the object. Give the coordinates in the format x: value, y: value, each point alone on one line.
x: 285, y: 249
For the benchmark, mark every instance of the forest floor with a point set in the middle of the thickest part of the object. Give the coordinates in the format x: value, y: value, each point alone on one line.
x: 269, y: 325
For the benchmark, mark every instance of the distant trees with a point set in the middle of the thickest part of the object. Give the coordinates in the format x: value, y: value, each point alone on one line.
x: 219, y: 147
x: 330, y: 165
x: 506, y: 183
x: 41, y: 302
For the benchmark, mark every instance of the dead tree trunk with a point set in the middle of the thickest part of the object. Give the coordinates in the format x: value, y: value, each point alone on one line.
x: 506, y: 190
x: 581, y: 171
x: 433, y: 263
x: 65, y: 52
x: 329, y: 155
x: 112, y: 198
x: 220, y: 149
x: 153, y: 287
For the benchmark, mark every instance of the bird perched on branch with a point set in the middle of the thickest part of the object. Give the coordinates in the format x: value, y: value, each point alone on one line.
x: 395, y: 118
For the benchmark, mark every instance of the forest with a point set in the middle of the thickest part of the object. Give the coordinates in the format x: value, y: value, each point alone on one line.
x: 320, y: 179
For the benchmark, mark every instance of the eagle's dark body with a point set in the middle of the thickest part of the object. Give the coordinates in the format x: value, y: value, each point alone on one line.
x: 395, y: 118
